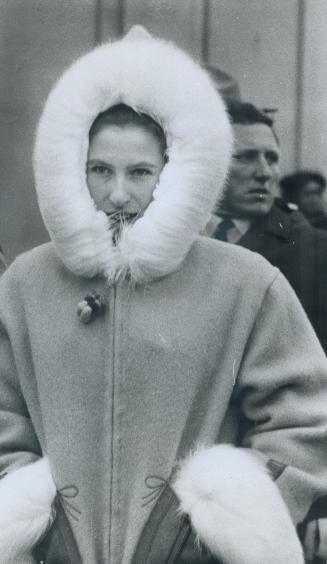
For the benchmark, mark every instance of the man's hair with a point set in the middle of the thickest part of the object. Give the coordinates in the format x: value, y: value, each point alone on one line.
x: 122, y: 115
x: 292, y: 184
x: 245, y: 113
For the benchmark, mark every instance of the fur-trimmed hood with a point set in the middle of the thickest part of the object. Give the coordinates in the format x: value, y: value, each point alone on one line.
x: 155, y: 77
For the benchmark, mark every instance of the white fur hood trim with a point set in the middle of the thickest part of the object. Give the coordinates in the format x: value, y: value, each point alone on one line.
x: 235, y: 507
x: 26, y: 497
x: 157, y: 78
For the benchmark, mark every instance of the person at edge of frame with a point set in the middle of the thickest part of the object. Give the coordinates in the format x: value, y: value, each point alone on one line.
x: 306, y: 189
x: 250, y: 215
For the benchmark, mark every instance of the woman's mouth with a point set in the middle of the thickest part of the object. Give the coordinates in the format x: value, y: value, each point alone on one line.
x: 122, y: 217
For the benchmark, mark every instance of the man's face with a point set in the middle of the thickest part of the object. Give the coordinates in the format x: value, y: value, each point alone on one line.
x: 311, y: 198
x: 254, y: 171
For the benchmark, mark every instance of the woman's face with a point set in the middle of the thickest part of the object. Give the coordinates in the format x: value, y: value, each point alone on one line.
x: 123, y: 167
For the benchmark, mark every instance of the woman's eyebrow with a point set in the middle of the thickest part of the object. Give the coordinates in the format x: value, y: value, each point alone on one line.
x: 142, y: 164
x: 98, y: 161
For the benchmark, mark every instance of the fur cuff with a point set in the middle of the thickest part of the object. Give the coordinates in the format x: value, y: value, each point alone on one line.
x: 26, y: 497
x: 235, y: 508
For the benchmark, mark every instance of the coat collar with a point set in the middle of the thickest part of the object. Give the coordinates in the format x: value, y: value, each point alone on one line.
x: 276, y: 223
x: 280, y: 221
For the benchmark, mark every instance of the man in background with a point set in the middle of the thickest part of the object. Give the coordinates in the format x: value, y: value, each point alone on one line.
x: 307, y: 189
x: 250, y: 215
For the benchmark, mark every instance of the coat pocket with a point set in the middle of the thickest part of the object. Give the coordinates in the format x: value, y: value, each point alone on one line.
x: 167, y: 536
x: 59, y: 545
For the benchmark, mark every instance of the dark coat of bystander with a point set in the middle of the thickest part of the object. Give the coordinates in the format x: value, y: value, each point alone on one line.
x: 287, y: 240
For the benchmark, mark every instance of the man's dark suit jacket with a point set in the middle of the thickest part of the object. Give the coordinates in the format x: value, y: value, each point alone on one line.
x: 287, y: 240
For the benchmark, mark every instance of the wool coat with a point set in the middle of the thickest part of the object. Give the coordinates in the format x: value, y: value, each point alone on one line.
x: 196, y: 383
x: 160, y: 371
x: 287, y: 240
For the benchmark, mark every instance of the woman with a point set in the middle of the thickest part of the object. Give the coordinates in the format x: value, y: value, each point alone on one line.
x: 130, y: 341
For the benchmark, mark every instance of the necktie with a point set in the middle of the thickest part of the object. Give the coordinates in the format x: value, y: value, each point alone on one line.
x: 224, y: 226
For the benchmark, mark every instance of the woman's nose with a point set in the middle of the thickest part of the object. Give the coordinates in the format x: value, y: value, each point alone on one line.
x: 119, y: 194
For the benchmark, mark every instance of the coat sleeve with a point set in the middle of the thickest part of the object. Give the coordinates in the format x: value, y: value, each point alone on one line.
x: 27, y: 489
x: 18, y: 442
x: 282, y: 392
x: 319, y: 299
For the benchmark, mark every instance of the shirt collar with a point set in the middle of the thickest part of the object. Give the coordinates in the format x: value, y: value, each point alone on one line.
x: 242, y: 225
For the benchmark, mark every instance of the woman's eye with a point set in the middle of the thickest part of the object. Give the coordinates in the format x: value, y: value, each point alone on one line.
x: 141, y: 172
x: 99, y: 169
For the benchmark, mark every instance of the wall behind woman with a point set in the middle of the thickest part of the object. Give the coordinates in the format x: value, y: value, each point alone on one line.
x: 38, y: 39
x: 313, y: 108
x: 268, y: 47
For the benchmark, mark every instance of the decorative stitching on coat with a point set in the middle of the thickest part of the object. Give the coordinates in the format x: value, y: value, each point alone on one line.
x: 66, y: 493
x: 156, y: 484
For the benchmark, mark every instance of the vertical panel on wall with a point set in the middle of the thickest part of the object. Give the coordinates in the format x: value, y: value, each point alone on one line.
x: 180, y: 21
x: 256, y: 41
x: 299, y: 84
x: 38, y: 40
x: 109, y: 19
x: 314, y: 111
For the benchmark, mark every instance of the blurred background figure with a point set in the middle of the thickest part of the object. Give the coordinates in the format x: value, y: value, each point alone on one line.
x: 307, y: 189
x: 251, y: 215
x: 226, y: 84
